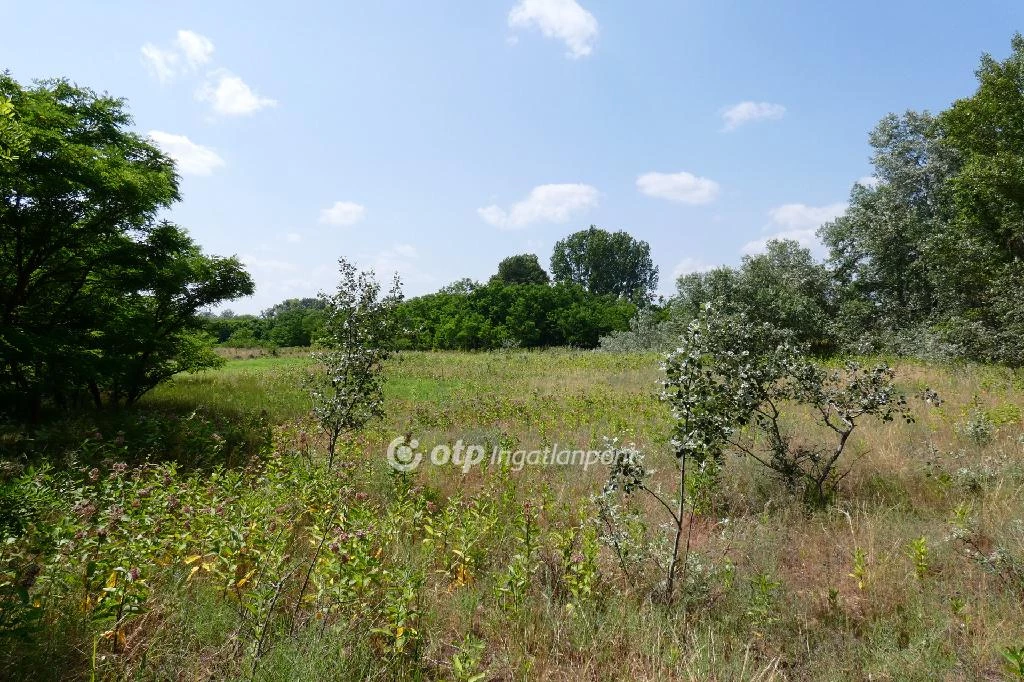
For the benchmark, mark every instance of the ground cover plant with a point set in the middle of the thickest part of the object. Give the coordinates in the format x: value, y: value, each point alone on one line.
x: 242, y: 556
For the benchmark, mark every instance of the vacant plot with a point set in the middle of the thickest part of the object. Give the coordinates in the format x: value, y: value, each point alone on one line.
x: 200, y: 536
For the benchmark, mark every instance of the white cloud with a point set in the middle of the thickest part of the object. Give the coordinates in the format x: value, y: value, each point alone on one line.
x: 869, y: 181
x: 747, y: 112
x: 163, y: 64
x: 682, y: 187
x: 804, y: 217
x: 400, y: 259
x: 293, y: 237
x: 230, y: 96
x: 196, y: 48
x: 688, y: 266
x: 798, y: 222
x: 343, y: 213
x: 562, y: 19
x: 406, y: 251
x: 545, y: 203
x: 191, y: 158
x: 267, y: 264
x: 188, y: 52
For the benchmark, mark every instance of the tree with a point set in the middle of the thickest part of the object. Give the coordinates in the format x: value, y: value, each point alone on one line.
x: 879, y: 251
x: 784, y: 287
x: 605, y: 262
x: 499, y: 314
x: 983, y: 255
x: 360, y: 328
x: 148, y: 327
x: 96, y: 297
x: 294, y: 322
x: 987, y: 130
x: 934, y: 253
x: 521, y: 269
x: 12, y: 139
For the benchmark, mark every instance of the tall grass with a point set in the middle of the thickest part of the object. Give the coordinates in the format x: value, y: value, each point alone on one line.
x: 909, y: 575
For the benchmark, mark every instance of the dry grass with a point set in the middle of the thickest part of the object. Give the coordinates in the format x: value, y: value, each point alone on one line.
x: 782, y: 599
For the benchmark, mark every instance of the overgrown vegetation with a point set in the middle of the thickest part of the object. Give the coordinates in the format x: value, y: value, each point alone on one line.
x: 781, y: 511
x: 497, y: 571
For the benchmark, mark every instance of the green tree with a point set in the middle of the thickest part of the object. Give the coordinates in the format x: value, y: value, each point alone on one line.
x: 12, y: 139
x: 880, y: 250
x: 931, y: 257
x: 983, y: 254
x: 96, y: 297
x: 295, y: 322
x: 521, y: 269
x: 784, y: 287
x: 360, y: 327
x: 605, y: 262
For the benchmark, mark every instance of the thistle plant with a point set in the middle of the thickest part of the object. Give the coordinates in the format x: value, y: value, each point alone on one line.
x: 359, y: 332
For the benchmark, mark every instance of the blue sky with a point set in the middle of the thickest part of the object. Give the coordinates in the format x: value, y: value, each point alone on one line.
x: 436, y: 138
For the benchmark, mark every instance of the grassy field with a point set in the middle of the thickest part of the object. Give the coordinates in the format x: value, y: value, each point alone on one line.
x: 225, y: 549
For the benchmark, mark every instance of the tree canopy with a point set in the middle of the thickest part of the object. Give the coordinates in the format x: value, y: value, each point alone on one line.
x: 523, y: 268
x: 784, y: 287
x: 605, y: 262
x: 97, y: 296
x: 933, y: 252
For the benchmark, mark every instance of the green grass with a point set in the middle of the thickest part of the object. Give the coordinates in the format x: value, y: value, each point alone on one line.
x: 934, y: 508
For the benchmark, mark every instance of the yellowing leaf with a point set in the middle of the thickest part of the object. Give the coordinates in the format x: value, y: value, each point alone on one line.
x: 244, y: 579
x: 191, y: 573
x: 112, y: 579
x: 192, y: 559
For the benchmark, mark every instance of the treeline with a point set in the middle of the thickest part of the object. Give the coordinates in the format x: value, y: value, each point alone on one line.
x: 294, y: 322
x: 927, y: 261
x: 476, y: 317
x: 466, y: 315
x: 599, y: 279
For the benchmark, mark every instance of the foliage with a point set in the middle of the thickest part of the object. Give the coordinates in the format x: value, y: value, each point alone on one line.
x: 97, y: 299
x: 521, y: 269
x: 729, y: 373
x: 496, y: 315
x: 605, y: 262
x: 931, y: 254
x: 12, y: 138
x: 878, y: 251
x: 783, y: 287
x: 107, y: 537
x: 649, y: 329
x: 359, y: 334
x: 294, y: 322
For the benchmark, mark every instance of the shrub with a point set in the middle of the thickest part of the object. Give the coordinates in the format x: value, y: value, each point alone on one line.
x: 359, y: 331
x: 729, y: 374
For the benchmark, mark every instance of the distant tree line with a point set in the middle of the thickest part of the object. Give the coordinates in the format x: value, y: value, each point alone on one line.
x: 294, y: 322
x: 100, y: 300
x: 928, y: 259
x: 601, y: 278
